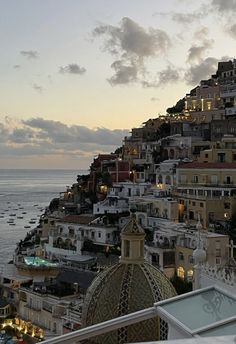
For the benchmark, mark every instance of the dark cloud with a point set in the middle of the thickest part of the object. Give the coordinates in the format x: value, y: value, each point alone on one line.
x: 223, y: 6
x: 46, y: 137
x: 30, y: 54
x: 124, y: 74
x: 197, y: 52
x: 132, y: 45
x: 72, y: 68
x: 203, y: 70
x: 168, y: 75
x: 37, y: 88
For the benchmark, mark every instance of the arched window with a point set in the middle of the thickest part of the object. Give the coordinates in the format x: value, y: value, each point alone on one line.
x: 180, y: 272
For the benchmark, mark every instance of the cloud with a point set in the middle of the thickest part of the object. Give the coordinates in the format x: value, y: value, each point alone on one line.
x: 203, y: 70
x: 231, y: 29
x: 37, y: 88
x: 16, y: 66
x: 197, y: 52
x: 132, y: 45
x: 223, y: 6
x: 37, y: 136
x: 186, y: 18
x: 72, y: 68
x: 164, y: 77
x: 30, y: 54
x: 124, y: 73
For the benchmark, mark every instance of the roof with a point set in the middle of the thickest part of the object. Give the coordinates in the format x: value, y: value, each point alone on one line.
x: 208, y: 165
x: 80, y: 219
x: 204, y: 312
x: 132, y: 227
x: 83, y: 278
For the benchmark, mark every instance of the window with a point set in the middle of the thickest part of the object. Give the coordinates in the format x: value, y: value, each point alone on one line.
x: 206, y: 155
x: 126, y: 248
x: 190, y: 275
x: 191, y: 215
x: 227, y: 205
x: 180, y: 272
x: 194, y: 203
x: 99, y: 234
x: 190, y: 259
x: 214, y: 179
x: 201, y: 205
x: 228, y: 180
x: 195, y: 179
x: 221, y: 157
x: 181, y: 256
x: 218, y: 260
x: 218, y: 249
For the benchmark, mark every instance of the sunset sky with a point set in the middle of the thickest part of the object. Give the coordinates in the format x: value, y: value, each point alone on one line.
x: 77, y: 75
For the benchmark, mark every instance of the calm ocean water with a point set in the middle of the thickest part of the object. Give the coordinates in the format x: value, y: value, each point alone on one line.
x: 23, y: 196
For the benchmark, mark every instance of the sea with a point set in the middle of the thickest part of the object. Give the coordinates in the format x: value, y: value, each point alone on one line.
x: 24, y: 194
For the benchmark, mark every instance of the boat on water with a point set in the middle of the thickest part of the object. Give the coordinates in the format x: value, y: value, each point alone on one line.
x: 12, y: 214
x: 27, y: 226
x: 20, y: 217
x: 32, y: 222
x: 12, y: 224
x: 24, y: 212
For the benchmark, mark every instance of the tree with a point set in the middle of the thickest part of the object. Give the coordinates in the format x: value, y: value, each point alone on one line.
x: 177, y: 108
x: 181, y: 285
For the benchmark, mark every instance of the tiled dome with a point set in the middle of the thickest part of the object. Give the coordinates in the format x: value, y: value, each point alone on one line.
x: 125, y: 288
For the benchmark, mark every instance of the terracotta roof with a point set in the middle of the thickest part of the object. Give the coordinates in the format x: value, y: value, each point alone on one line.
x: 208, y: 165
x: 81, y: 219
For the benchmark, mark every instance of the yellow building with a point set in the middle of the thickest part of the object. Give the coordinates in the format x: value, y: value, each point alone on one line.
x: 207, y: 189
x: 216, y: 252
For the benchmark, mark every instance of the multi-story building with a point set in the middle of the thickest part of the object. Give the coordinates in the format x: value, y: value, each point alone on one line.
x: 207, y: 189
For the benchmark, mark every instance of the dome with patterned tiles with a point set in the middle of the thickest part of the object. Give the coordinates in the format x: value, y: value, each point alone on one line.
x: 131, y: 285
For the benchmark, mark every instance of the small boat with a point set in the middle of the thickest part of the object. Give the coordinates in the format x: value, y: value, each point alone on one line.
x: 27, y: 227
x: 10, y: 221
x: 20, y: 217
x: 32, y: 222
x: 36, y: 205
x: 24, y: 212
x: 12, y: 214
x: 12, y: 224
x: 1, y: 216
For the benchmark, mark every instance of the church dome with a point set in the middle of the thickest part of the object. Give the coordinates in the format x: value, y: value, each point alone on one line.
x: 131, y: 285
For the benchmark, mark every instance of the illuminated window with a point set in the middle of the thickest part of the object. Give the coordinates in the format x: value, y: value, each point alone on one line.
x: 190, y: 275
x: 208, y: 105
x: 180, y: 272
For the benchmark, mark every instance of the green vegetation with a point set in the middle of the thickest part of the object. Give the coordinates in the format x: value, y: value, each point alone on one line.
x: 181, y: 285
x: 177, y: 108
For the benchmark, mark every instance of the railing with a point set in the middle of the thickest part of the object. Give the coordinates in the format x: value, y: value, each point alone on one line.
x: 104, y: 327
